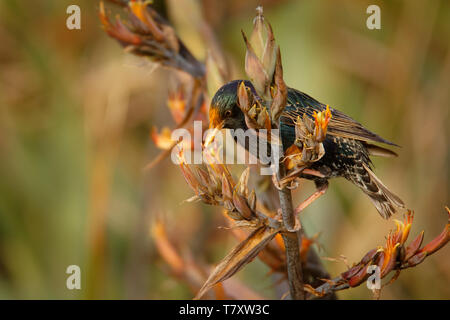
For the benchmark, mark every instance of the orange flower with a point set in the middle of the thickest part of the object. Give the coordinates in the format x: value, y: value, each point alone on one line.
x: 177, y: 105
x: 390, y: 255
x: 293, y: 155
x: 402, y: 231
x: 118, y: 31
x: 321, y: 121
x: 139, y: 9
x: 162, y: 140
x: 394, y: 255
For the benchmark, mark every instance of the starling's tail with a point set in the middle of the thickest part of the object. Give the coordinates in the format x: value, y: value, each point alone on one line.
x: 383, y: 199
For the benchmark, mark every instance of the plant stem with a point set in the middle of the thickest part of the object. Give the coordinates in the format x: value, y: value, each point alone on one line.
x: 313, y: 270
x: 291, y: 242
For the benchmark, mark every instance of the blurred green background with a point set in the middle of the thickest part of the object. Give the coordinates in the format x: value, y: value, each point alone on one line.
x: 75, y: 117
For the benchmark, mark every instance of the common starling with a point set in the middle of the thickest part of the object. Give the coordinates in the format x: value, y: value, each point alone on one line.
x: 347, y: 144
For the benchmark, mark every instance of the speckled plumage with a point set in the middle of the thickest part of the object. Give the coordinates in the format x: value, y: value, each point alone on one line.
x: 347, y: 145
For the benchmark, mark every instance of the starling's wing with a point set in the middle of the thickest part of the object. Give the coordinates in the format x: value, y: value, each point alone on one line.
x: 344, y: 126
x: 379, y: 151
x: 339, y: 125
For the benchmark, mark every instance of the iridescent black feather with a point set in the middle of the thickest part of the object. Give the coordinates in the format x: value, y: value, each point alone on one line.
x: 347, y: 145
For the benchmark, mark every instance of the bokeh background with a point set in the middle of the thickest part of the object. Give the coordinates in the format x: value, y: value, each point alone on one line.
x: 76, y: 113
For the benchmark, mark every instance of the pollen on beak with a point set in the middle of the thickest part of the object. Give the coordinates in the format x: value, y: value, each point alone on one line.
x: 214, y: 119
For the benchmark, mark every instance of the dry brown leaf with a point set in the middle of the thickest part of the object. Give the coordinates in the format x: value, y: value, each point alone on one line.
x: 242, y: 254
x: 165, y: 248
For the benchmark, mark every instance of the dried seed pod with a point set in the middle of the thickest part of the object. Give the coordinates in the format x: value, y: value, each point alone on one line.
x: 241, y: 205
x: 234, y: 214
x: 280, y: 96
x: 205, y: 178
x: 243, y: 98
x: 264, y: 119
x: 415, y: 260
x: 251, y: 199
x: 351, y: 272
x: 257, y: 36
x: 254, y: 69
x: 250, y: 118
x: 271, y: 53
x: 228, y: 205
x: 243, y: 182
x: 369, y: 256
x: 226, y: 188
x: 414, y: 246
x: 359, y: 277
x: 253, y: 112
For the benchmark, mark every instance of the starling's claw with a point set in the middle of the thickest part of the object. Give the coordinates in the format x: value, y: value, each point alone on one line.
x: 276, y: 182
x: 286, y: 182
x: 293, y: 185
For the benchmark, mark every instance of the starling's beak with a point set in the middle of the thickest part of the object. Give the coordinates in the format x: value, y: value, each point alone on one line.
x: 215, y: 123
x: 214, y: 119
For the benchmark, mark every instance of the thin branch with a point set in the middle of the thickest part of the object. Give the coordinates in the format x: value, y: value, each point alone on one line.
x: 145, y: 36
x: 291, y: 242
x: 313, y: 268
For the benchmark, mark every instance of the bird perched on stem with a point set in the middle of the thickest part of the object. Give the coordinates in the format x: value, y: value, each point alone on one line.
x: 348, y: 145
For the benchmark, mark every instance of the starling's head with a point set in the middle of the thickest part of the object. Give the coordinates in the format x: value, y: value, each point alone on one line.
x: 224, y: 111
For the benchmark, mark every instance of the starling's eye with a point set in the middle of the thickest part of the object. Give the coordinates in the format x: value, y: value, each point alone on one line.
x: 228, y: 113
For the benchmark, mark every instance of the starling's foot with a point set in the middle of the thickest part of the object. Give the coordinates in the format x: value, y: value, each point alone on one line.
x: 276, y: 182
x: 316, y: 195
x: 289, y: 180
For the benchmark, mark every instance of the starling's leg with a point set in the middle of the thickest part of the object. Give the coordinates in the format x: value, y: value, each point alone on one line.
x: 322, y: 186
x: 290, y: 178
